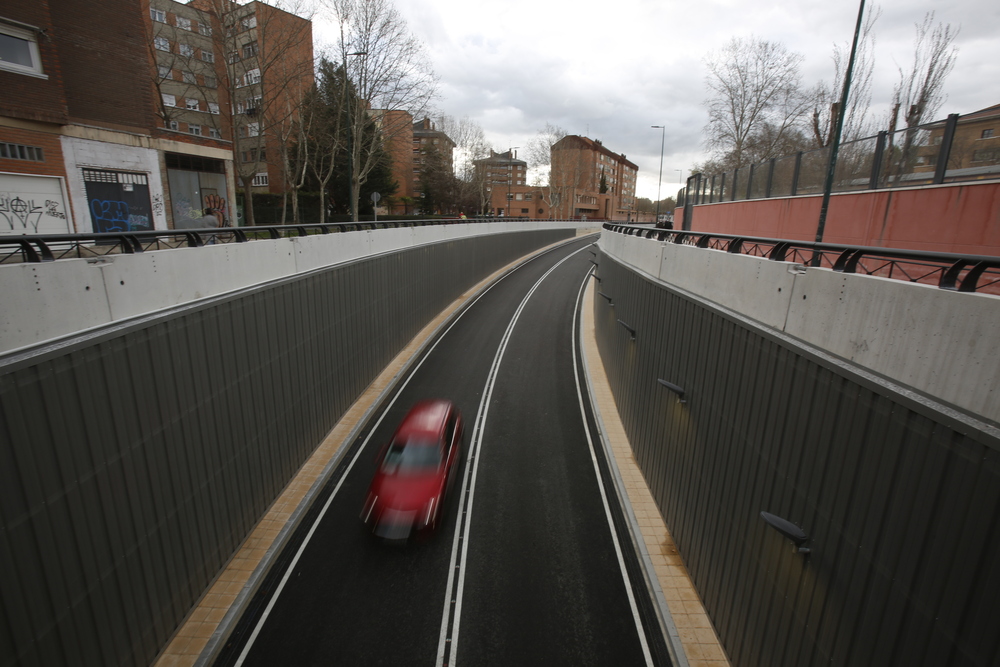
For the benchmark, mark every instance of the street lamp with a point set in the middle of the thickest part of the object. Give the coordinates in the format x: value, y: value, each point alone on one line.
x: 680, y: 176
x: 510, y: 176
x: 663, y: 133
x: 350, y: 143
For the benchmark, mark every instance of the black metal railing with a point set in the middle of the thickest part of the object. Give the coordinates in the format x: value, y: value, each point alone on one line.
x: 961, y: 273
x: 945, y: 151
x: 50, y: 247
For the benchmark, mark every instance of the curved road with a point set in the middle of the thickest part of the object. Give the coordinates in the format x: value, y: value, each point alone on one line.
x: 526, y: 567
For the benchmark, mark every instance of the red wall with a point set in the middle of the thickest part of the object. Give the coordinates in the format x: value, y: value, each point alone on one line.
x: 960, y: 218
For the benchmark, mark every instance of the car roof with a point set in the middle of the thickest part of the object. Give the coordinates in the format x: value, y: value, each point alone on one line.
x: 425, y: 418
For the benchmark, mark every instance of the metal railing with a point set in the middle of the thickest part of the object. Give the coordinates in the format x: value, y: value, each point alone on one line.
x: 961, y: 273
x: 51, y: 247
x: 945, y: 151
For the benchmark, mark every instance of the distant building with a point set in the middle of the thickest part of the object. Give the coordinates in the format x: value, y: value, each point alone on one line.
x: 975, y: 148
x: 589, y: 181
x: 500, y: 174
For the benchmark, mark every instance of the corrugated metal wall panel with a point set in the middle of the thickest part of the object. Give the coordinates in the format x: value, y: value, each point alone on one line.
x: 898, y: 494
x: 135, y: 460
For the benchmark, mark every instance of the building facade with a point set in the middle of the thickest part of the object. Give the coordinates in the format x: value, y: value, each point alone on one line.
x: 500, y: 175
x: 587, y: 180
x: 87, y: 143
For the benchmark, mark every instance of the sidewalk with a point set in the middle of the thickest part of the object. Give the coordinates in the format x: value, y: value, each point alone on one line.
x: 208, y: 624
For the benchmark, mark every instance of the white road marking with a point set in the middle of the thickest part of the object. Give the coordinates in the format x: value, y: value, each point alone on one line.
x: 452, y: 613
x: 340, y: 482
x: 600, y: 484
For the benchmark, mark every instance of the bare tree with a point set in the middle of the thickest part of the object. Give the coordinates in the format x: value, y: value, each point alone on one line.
x: 920, y: 91
x: 539, y: 149
x: 327, y: 131
x: 826, y: 98
x: 755, y: 100
x: 388, y: 71
x: 470, y: 145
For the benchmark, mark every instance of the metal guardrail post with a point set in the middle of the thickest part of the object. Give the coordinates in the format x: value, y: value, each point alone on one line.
x: 770, y: 178
x: 795, y: 174
x: 736, y: 182
x: 877, y: 160
x: 750, y: 182
x: 945, y: 152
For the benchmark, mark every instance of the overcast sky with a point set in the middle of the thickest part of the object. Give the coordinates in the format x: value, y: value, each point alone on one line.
x: 610, y: 69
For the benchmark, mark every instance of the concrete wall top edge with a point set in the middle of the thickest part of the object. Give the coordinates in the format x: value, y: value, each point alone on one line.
x: 936, y: 341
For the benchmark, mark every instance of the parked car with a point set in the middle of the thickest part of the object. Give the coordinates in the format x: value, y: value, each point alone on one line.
x: 414, y: 471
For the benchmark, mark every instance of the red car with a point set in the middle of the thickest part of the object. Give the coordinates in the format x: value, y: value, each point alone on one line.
x: 414, y: 471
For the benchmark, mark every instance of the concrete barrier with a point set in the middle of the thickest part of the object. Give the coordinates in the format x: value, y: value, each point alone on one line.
x: 44, y: 301
x: 936, y: 341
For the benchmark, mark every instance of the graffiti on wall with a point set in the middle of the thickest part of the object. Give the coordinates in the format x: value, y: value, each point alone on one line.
x: 24, y: 214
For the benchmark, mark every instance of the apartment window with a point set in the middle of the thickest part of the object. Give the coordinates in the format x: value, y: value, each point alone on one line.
x: 158, y: 15
x: 213, y: 108
x: 211, y: 82
x: 21, y: 152
x: 194, y: 129
x: 186, y: 50
x: 250, y: 156
x: 250, y: 49
x: 527, y: 197
x: 991, y: 155
x: 189, y: 77
x: 168, y: 100
x: 214, y: 133
x: 987, y: 134
x: 204, y: 28
x: 233, y: 57
x: 253, y: 129
x: 519, y: 196
x: 182, y: 23
x: 191, y: 104
x: 251, y: 77
x: 260, y: 180
x: 163, y: 71
x: 250, y: 22
x: 207, y: 56
x: 161, y: 44
x: 172, y: 124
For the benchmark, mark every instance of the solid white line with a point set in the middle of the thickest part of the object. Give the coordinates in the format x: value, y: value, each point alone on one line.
x: 326, y: 506
x: 600, y: 484
x: 448, y: 637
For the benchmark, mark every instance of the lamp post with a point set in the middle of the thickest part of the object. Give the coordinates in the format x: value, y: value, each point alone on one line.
x: 680, y: 176
x: 350, y: 142
x: 659, y: 181
x: 510, y: 176
x: 831, y: 168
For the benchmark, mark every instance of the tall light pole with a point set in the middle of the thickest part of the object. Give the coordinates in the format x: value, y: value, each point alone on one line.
x: 680, y: 176
x: 659, y: 181
x: 510, y: 176
x: 831, y: 168
x: 350, y: 142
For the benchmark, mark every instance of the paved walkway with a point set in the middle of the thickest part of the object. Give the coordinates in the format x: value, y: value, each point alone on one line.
x: 209, y: 623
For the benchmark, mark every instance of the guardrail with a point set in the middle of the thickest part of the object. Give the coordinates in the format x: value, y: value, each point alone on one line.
x: 961, y: 273
x: 50, y: 247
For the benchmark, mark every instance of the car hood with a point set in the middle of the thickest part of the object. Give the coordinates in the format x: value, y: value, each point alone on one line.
x: 405, y: 492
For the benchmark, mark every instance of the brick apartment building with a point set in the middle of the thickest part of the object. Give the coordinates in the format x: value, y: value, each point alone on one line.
x: 117, y: 115
x: 588, y: 180
x: 410, y: 145
x: 503, y: 177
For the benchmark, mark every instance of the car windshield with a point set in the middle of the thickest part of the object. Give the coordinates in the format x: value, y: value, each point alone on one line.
x: 411, y: 456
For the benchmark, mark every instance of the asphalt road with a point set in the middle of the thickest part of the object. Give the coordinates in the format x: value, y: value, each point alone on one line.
x: 524, y: 570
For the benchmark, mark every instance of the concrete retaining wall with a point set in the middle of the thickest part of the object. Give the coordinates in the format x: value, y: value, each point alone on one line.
x: 44, y: 301
x: 938, y: 342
